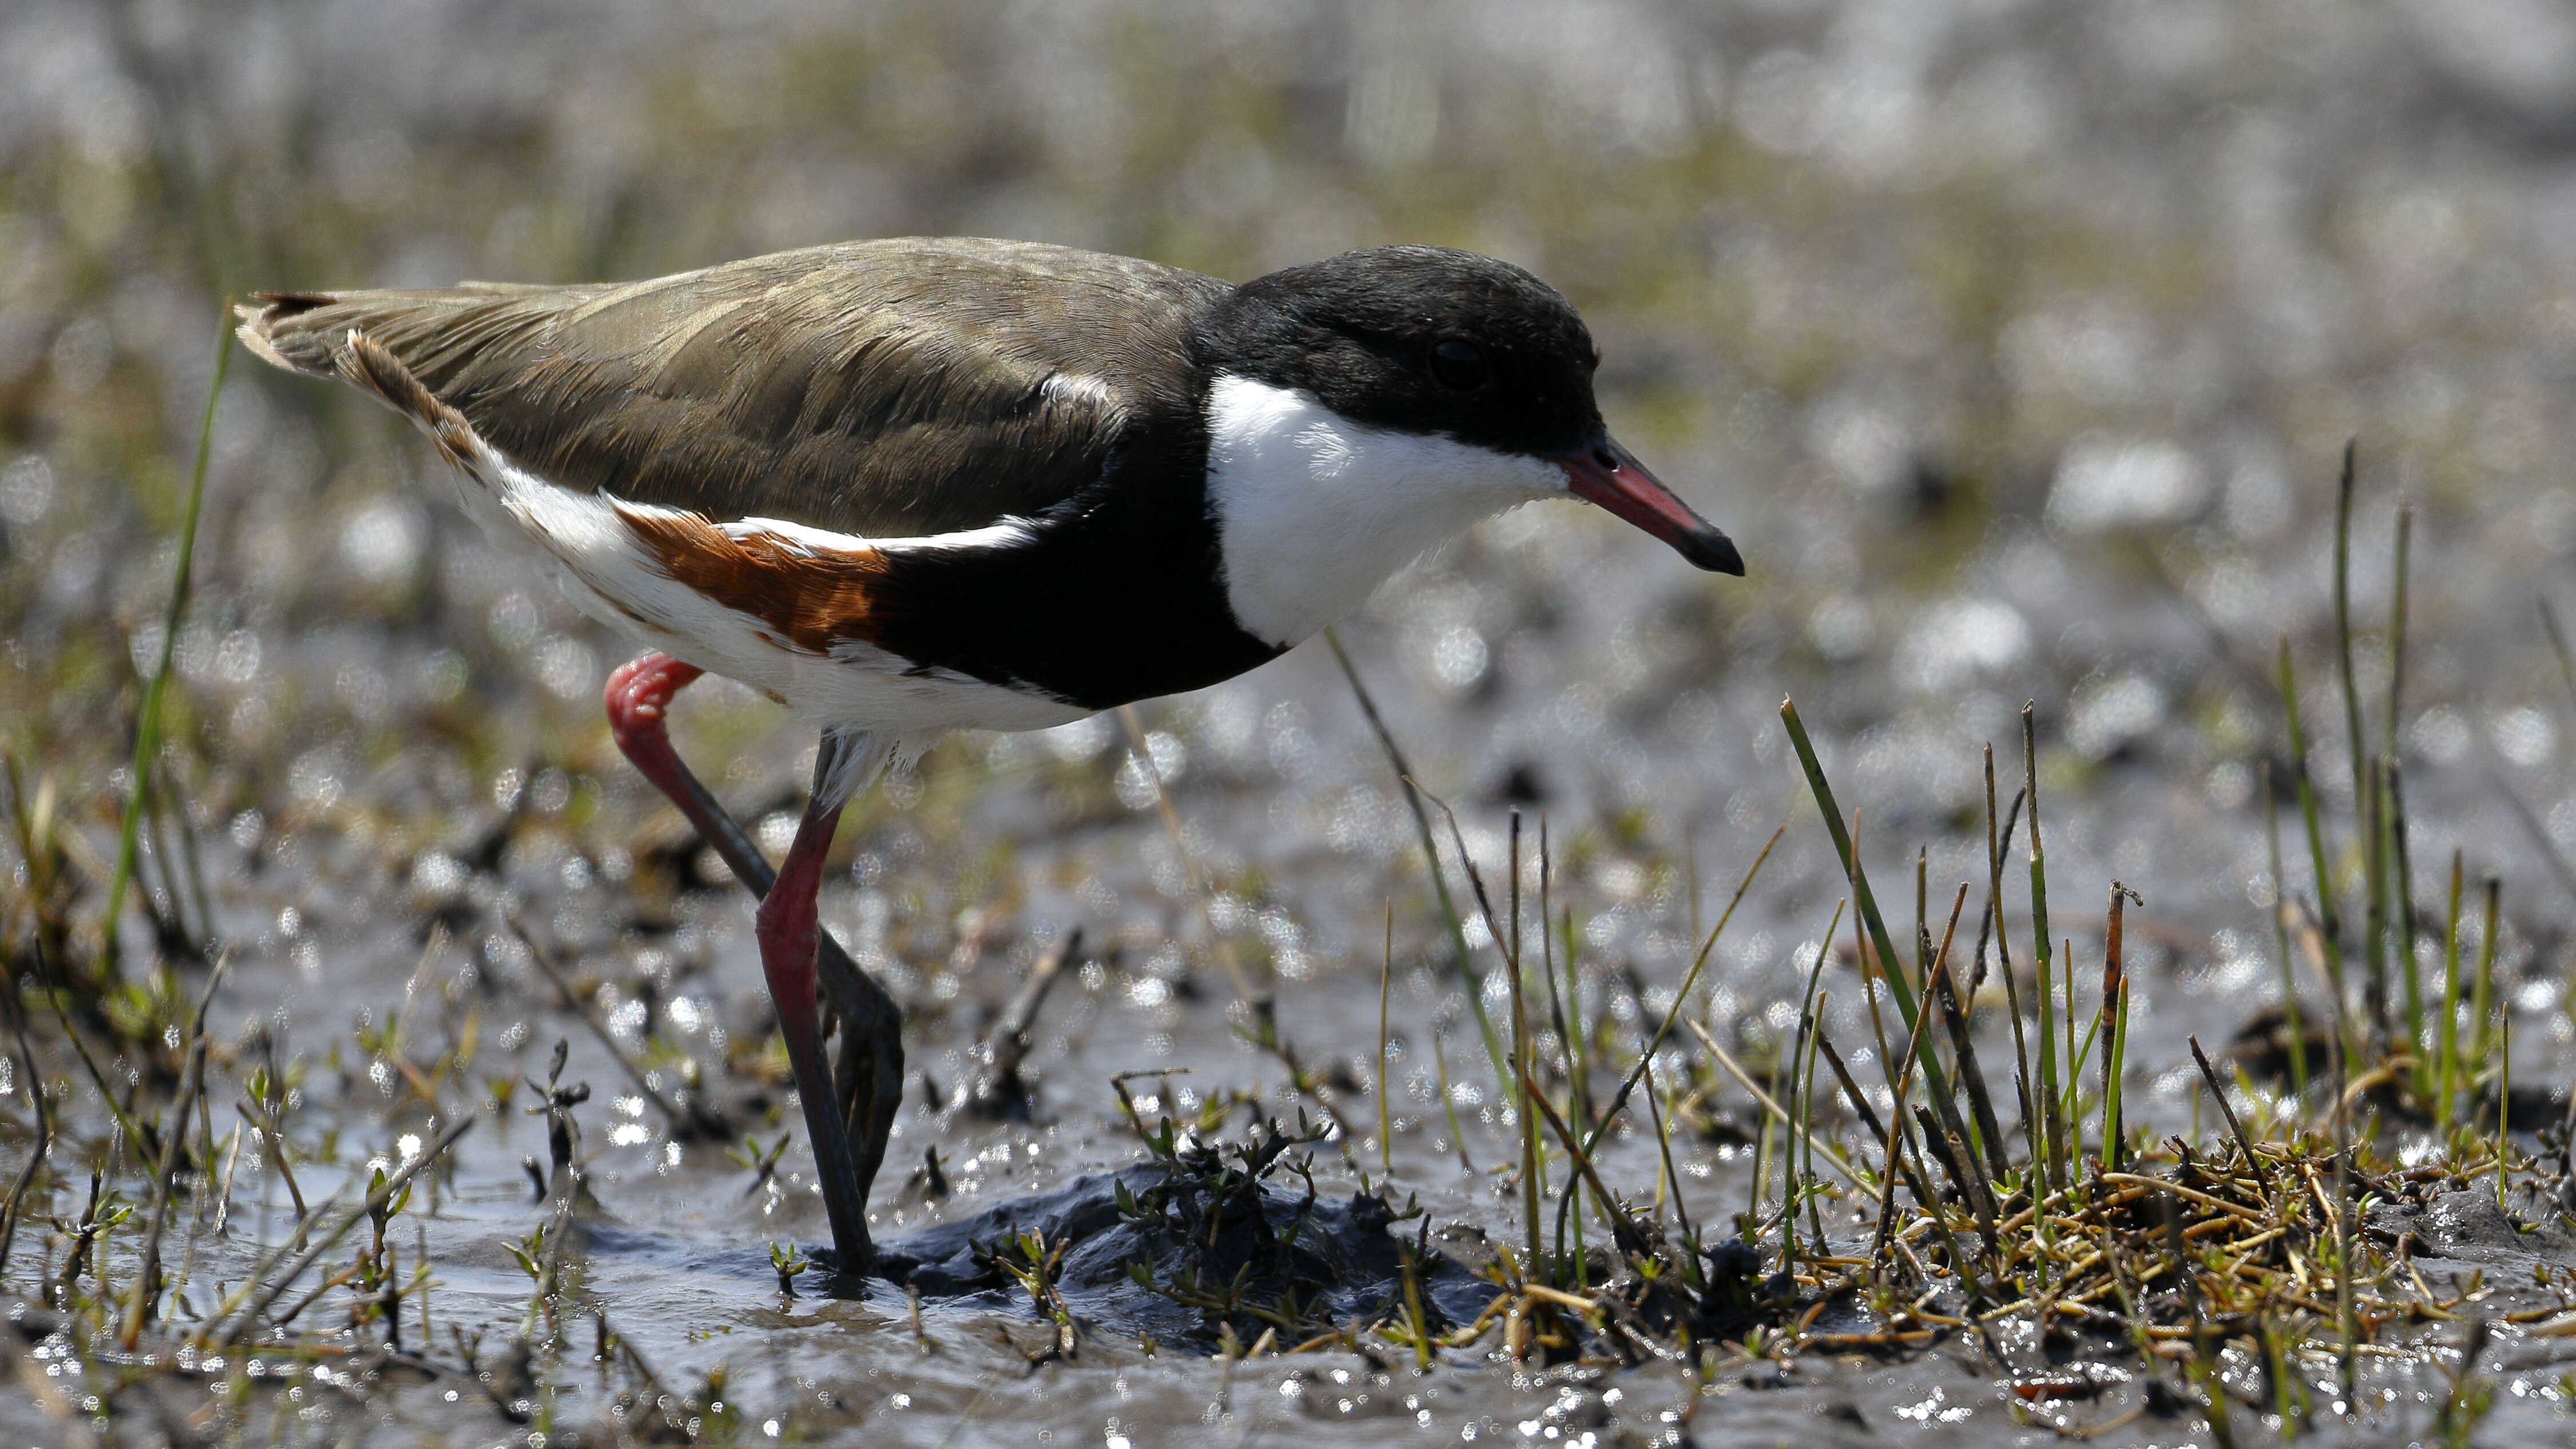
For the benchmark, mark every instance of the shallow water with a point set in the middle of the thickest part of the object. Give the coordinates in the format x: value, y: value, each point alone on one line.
x: 2014, y: 343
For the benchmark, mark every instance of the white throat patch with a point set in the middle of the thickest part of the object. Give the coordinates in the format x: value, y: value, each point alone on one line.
x: 1314, y: 511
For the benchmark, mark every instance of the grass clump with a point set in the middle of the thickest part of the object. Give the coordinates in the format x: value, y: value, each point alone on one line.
x: 2228, y: 1269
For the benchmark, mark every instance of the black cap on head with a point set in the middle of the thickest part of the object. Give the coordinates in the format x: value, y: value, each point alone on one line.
x: 1421, y: 340
x: 1433, y: 340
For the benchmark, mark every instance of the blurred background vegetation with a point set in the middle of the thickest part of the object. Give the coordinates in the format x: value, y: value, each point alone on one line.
x: 2014, y: 340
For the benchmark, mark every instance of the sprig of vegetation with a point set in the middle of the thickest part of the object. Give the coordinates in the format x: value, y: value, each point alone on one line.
x: 147, y: 722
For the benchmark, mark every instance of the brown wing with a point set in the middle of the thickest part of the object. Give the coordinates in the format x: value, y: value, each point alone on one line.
x: 882, y: 388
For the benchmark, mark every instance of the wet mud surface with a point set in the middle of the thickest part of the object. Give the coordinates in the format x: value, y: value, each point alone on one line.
x: 2014, y: 343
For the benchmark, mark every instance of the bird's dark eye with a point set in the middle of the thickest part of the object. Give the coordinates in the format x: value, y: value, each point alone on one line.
x: 1460, y: 366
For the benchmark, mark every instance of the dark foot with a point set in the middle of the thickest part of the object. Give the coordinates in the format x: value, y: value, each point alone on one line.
x: 834, y: 1278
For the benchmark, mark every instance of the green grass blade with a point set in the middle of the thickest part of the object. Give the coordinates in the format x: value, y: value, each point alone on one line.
x: 2446, y: 1061
x: 2343, y: 625
x: 1998, y: 840
x: 2365, y: 795
x: 1935, y: 1081
x: 147, y: 725
x: 2290, y: 1018
x: 2558, y: 646
x: 2329, y: 915
x: 2401, y: 868
x: 2053, y: 1123
x: 2482, y: 995
x: 1461, y: 962
x: 1681, y: 994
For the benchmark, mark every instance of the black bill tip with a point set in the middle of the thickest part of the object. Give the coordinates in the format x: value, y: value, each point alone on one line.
x: 1710, y: 550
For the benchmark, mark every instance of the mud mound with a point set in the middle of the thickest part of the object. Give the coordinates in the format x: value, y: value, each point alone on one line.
x: 1182, y: 1248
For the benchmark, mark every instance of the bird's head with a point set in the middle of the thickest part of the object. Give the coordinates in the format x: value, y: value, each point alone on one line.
x: 1481, y: 363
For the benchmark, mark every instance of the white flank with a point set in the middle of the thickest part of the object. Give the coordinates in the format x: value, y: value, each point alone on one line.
x: 1314, y: 511
x: 604, y: 570
x: 804, y: 538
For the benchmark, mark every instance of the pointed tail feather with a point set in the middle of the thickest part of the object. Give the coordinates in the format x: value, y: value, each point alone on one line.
x: 363, y: 361
x: 294, y: 349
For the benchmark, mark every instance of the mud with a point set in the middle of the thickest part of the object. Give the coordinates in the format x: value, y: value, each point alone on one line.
x: 2015, y: 343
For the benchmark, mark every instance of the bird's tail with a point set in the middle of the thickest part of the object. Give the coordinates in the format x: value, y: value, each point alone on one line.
x: 303, y: 331
x: 281, y: 330
x: 268, y: 329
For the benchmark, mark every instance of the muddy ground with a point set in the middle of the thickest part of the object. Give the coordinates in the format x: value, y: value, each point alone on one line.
x: 2015, y: 343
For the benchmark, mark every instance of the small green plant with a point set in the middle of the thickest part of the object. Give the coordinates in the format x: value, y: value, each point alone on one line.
x: 379, y: 1287
x: 1034, y: 1263
x: 2471, y: 1396
x: 760, y: 1162
x: 787, y: 1261
x: 529, y: 1253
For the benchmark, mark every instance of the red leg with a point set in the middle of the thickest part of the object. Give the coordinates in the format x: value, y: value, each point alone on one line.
x: 788, y: 934
x: 639, y: 695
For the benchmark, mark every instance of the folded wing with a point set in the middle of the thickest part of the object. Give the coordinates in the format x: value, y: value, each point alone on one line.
x: 882, y: 389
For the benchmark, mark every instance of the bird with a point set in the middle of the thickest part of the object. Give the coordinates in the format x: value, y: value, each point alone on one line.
x: 916, y: 485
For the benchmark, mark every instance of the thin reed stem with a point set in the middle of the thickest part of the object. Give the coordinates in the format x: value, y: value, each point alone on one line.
x: 1462, y: 962
x: 147, y: 722
x: 1981, y: 1120
x: 2226, y: 1109
x: 1525, y: 1086
x: 2370, y: 810
x: 1863, y: 900
x: 1944, y: 989
x: 2343, y: 624
x: 1797, y: 1049
x: 1385, y: 1111
x: 2402, y: 867
x: 2114, y: 1023
x: 2397, y: 625
x: 2400, y: 886
x: 2447, y: 1028
x: 1804, y: 1135
x: 2291, y: 1024
x: 2482, y: 995
x: 2052, y: 1157
x: 1998, y: 842
x: 1584, y: 1036
x: 1664, y: 1147
x: 13, y: 1003
x: 2558, y: 646
x: 2504, y: 1098
x: 1449, y: 1104
x: 1681, y: 993
x: 2329, y: 920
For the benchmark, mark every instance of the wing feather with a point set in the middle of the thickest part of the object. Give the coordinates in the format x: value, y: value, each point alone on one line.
x: 900, y: 388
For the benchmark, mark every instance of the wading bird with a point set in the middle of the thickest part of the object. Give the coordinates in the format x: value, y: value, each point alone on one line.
x: 914, y: 486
